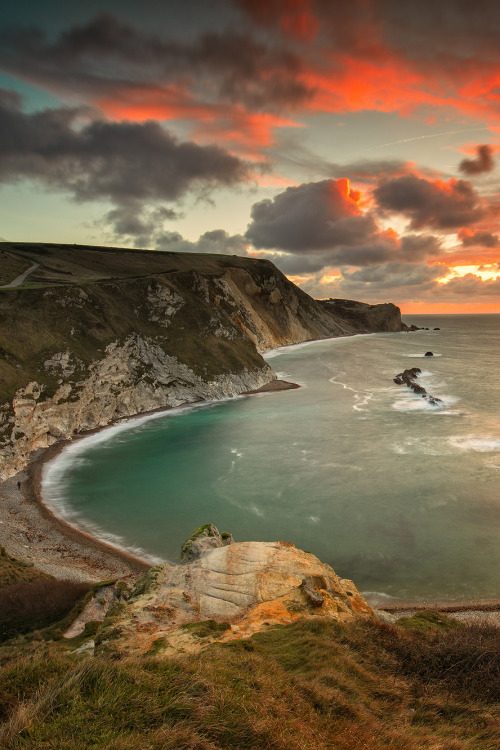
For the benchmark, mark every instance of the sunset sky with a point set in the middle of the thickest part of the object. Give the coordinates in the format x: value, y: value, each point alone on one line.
x: 355, y: 144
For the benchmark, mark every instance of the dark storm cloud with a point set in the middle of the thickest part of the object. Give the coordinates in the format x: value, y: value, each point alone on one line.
x: 129, y: 164
x: 484, y: 239
x: 404, y: 252
x: 440, y: 205
x: 313, y: 216
x: 482, y: 163
x: 422, y: 29
x: 108, y: 57
x: 394, y: 275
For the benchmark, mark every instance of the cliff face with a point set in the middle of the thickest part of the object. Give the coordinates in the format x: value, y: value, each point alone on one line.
x: 94, y: 335
x: 365, y: 318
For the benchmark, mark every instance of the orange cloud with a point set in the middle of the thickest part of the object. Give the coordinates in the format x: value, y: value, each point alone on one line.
x: 233, y: 125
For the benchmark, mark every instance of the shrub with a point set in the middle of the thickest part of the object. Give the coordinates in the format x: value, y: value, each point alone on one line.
x: 25, y: 607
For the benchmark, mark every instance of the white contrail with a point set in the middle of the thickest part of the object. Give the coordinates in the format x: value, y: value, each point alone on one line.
x: 432, y: 135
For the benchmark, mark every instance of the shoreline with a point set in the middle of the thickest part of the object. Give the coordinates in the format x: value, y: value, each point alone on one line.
x: 57, y: 547
x: 66, y: 551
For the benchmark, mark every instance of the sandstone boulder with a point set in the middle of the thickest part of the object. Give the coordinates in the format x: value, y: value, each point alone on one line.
x: 228, y: 592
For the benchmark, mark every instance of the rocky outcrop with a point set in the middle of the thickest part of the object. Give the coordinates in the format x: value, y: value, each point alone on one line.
x: 228, y: 592
x: 408, y: 378
x: 364, y: 318
x: 100, y: 335
x: 203, y: 540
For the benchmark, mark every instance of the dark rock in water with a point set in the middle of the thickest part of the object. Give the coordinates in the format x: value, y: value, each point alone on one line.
x: 428, y: 354
x: 436, y: 329
x: 417, y: 388
x: 407, y: 377
x: 410, y: 374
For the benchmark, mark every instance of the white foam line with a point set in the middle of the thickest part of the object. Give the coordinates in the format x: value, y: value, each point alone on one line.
x: 53, y: 474
x: 270, y: 353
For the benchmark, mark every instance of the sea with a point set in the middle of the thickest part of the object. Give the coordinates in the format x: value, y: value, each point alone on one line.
x: 397, y: 494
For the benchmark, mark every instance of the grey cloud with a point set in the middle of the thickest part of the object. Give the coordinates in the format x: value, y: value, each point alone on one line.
x: 107, y: 56
x: 484, y: 239
x: 441, y: 206
x: 394, y: 275
x: 313, y: 216
x: 408, y: 251
x: 129, y: 164
x: 482, y: 163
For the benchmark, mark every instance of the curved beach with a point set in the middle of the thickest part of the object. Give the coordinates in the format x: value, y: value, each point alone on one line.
x: 85, y: 556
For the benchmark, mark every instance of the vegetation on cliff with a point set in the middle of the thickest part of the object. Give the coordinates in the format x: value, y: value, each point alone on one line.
x: 308, y: 686
x: 427, y: 682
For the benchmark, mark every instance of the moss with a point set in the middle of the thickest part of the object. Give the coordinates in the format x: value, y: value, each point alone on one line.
x: 429, y: 621
x: 206, y: 628
x: 147, y: 583
x: 225, y: 535
x: 88, y: 633
x: 200, y: 531
x: 157, y: 646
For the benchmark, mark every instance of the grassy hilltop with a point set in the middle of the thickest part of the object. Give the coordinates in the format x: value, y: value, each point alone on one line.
x: 429, y: 682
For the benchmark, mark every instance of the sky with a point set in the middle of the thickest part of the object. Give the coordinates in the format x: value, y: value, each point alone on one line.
x: 355, y: 144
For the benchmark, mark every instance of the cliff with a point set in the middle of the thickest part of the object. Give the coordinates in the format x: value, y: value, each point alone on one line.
x: 92, y: 335
x: 365, y: 318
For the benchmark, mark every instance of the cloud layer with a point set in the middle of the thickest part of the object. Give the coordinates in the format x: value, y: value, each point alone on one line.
x: 129, y: 164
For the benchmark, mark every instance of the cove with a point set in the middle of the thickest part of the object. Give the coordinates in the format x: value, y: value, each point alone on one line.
x: 399, y: 496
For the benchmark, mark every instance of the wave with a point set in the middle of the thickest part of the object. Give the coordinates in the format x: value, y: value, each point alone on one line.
x: 422, y: 356
x: 478, y: 444
x: 361, y: 397
x: 271, y: 353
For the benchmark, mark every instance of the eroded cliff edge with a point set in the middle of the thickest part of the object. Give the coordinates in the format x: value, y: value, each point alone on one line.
x: 98, y: 334
x: 223, y: 590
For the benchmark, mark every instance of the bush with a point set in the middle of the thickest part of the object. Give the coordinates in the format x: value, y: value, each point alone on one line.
x: 464, y: 660
x: 25, y: 607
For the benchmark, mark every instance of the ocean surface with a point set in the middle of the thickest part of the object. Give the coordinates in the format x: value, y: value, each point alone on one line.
x: 398, y: 495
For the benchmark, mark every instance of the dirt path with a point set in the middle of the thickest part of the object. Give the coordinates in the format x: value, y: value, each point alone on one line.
x: 19, y: 279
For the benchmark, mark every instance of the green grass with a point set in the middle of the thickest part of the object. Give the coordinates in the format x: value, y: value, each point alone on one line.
x: 14, y: 571
x: 308, y: 686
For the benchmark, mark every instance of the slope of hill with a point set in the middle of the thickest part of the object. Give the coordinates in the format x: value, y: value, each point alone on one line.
x: 92, y: 335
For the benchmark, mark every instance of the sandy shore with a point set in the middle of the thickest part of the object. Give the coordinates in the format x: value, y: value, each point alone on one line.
x: 30, y: 532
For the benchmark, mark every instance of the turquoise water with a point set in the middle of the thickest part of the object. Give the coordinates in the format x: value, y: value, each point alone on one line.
x: 398, y: 495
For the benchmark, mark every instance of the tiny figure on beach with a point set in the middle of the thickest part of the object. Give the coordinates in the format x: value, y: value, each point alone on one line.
x: 19, y: 485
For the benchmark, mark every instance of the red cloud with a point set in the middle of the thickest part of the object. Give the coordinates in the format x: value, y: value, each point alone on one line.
x: 295, y: 18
